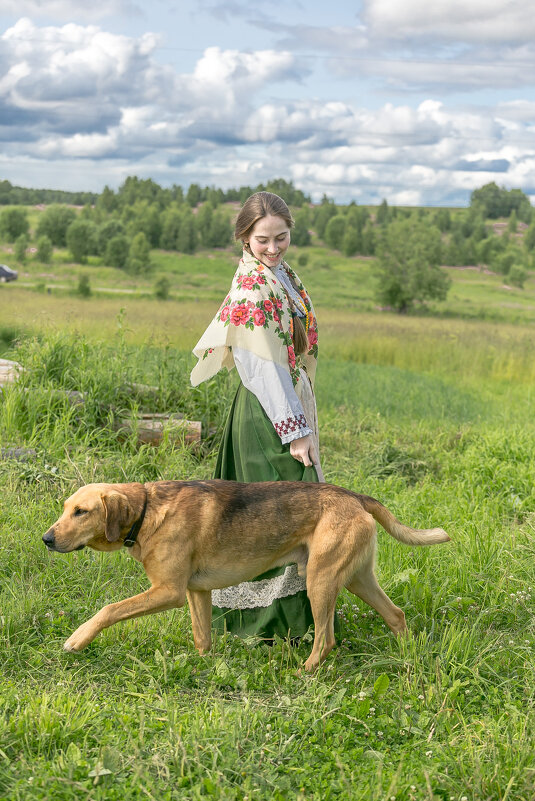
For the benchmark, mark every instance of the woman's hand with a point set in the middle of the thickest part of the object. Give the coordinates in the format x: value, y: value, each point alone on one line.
x: 304, y: 450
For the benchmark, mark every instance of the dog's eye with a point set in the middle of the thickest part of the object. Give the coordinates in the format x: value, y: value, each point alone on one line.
x: 80, y: 512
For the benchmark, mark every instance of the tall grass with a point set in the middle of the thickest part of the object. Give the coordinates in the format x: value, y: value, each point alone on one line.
x: 417, y: 417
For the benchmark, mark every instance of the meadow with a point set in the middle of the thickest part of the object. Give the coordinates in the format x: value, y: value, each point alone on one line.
x: 433, y: 414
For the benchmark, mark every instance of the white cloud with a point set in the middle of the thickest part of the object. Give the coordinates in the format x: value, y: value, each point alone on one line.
x: 79, y: 95
x: 459, y: 20
x: 68, y: 9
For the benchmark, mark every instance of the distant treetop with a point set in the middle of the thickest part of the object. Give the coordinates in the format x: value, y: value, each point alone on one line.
x: 495, y: 201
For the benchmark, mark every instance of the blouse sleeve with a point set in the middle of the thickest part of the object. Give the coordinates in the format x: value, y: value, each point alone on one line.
x: 273, y: 387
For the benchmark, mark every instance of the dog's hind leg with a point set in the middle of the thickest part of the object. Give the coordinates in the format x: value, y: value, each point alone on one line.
x: 200, y: 608
x: 364, y: 584
x: 322, y: 593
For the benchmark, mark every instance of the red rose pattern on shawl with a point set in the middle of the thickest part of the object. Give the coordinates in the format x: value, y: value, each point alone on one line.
x: 265, y: 311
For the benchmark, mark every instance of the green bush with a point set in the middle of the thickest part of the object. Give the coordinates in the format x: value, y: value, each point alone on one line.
x: 162, y: 288
x: 335, y: 230
x: 116, y: 254
x: 21, y: 244
x: 517, y: 275
x: 81, y: 239
x: 84, y: 286
x: 54, y: 222
x: 44, y: 250
x: 14, y: 223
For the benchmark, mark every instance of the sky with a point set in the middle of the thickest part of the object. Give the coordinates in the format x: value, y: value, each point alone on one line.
x: 415, y: 101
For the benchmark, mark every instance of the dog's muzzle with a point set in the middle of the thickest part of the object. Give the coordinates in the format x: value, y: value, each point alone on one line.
x: 49, y: 540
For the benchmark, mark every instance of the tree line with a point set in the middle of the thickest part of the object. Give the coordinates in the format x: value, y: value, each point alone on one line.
x: 121, y: 228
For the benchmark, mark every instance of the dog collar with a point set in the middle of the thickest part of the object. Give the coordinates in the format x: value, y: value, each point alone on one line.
x: 131, y: 537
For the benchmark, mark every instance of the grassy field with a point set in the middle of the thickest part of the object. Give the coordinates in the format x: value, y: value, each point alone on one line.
x: 432, y: 415
x: 335, y: 281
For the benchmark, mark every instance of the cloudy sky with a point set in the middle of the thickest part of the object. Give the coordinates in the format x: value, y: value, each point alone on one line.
x: 416, y: 101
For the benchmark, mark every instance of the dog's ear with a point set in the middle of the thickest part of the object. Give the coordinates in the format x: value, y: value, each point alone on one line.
x: 117, y: 514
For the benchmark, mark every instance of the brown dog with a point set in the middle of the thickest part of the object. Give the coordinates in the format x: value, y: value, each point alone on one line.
x: 196, y: 536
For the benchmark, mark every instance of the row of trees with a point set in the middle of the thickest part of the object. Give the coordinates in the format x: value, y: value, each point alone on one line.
x: 123, y: 232
x: 122, y: 239
x: 21, y: 196
x: 134, y: 189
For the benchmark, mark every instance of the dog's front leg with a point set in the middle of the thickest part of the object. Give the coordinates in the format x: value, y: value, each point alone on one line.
x: 157, y: 599
x: 200, y: 608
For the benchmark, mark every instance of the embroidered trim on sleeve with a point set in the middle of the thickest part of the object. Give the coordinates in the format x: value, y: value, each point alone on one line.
x: 290, y: 424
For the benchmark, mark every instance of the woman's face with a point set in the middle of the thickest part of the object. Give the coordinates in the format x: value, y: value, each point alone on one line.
x: 269, y: 240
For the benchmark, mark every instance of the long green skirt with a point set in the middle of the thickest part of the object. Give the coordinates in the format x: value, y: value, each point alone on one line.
x: 276, y: 602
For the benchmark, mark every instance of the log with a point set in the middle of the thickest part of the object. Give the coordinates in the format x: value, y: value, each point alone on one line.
x: 151, y: 428
x: 9, y: 371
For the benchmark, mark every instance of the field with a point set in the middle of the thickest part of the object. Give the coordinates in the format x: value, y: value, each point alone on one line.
x: 432, y: 414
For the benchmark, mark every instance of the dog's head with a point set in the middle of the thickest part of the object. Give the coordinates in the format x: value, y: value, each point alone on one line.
x: 97, y: 515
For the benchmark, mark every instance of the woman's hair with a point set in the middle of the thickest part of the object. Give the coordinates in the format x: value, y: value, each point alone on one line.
x: 265, y: 204
x: 259, y: 205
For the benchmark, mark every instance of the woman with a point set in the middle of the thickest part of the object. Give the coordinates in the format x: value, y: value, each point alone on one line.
x: 266, y: 328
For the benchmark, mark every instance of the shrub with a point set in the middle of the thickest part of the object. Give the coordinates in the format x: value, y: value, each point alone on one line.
x: 106, y: 233
x: 84, y: 286
x: 162, y: 288
x: 81, y: 236
x: 14, y: 223
x: 352, y: 242
x: 517, y: 275
x: 21, y: 243
x: 44, y: 250
x: 335, y: 230
x: 117, y: 251
x: 54, y: 223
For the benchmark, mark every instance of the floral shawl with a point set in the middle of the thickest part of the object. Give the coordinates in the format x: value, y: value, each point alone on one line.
x: 256, y: 316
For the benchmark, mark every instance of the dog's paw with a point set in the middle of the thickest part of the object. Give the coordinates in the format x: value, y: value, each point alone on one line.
x: 79, y: 640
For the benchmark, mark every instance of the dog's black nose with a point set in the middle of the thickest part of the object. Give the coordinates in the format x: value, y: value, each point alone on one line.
x: 48, y: 538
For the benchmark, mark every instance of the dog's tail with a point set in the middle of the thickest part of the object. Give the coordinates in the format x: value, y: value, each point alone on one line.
x: 410, y: 536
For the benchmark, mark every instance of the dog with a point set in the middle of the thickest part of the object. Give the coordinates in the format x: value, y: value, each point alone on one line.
x: 196, y: 536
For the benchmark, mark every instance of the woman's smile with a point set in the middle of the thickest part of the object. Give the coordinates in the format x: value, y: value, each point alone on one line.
x: 269, y: 240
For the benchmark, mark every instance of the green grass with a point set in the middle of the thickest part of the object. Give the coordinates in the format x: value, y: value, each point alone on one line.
x: 435, y: 417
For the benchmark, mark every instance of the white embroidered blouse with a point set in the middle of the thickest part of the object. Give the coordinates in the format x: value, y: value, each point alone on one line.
x: 273, y: 385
